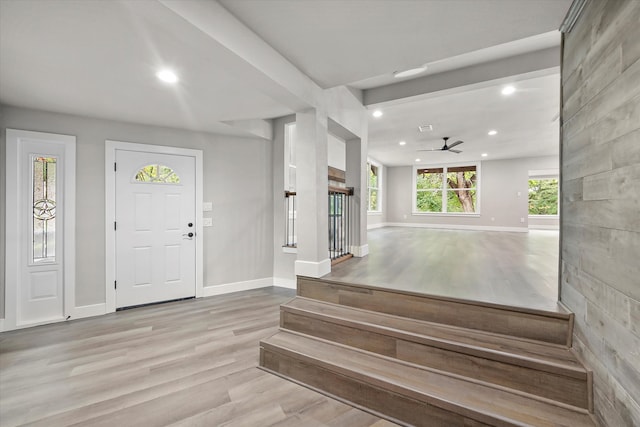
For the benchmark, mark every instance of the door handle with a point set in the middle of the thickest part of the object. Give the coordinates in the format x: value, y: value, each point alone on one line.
x: 189, y: 235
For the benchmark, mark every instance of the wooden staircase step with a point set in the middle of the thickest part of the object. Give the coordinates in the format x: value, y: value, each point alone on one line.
x: 403, y: 392
x: 531, y: 324
x: 547, y: 371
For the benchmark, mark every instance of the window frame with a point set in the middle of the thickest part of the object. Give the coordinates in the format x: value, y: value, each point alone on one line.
x: 290, y: 150
x: 541, y: 175
x: 445, y: 189
x: 378, y: 209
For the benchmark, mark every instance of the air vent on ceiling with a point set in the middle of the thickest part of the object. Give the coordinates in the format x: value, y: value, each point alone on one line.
x: 425, y: 128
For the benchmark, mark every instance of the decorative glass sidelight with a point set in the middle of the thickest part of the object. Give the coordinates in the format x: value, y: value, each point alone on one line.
x: 157, y: 174
x: 44, y: 209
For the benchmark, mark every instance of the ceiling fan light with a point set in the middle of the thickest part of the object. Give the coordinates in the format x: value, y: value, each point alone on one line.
x: 410, y: 72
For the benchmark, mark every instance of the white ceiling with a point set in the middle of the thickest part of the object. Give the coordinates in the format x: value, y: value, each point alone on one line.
x: 526, y: 122
x: 343, y: 42
x: 98, y: 59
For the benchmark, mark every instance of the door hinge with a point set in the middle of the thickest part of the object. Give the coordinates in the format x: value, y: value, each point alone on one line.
x: 115, y: 284
x: 115, y: 225
x: 115, y: 167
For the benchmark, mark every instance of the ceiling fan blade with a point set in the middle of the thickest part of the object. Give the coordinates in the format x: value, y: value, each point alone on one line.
x: 432, y: 149
x: 456, y: 143
x: 455, y: 151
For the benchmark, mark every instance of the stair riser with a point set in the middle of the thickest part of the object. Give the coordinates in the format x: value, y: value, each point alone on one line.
x: 562, y: 388
x: 376, y: 399
x: 550, y: 329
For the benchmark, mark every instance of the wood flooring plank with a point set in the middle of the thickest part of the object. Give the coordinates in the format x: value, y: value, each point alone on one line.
x: 157, y: 365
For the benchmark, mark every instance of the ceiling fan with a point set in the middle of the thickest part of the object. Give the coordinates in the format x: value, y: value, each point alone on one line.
x: 446, y: 147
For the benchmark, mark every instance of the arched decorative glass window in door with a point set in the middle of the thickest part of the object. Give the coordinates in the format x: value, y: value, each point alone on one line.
x: 157, y: 174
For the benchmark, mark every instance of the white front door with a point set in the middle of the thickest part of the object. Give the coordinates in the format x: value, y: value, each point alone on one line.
x: 155, y: 227
x: 40, y: 221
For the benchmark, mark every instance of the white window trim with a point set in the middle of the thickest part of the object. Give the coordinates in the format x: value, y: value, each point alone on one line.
x: 379, y: 188
x: 289, y: 138
x: 414, y: 208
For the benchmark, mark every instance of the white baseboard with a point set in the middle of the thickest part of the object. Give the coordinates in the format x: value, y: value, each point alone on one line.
x: 227, y: 288
x: 378, y: 225
x: 458, y: 227
x: 89, y: 311
x: 313, y: 269
x: 360, y: 251
x: 281, y: 282
x: 544, y: 227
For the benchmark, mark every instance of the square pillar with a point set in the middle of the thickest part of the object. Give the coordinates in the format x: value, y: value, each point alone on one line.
x: 312, y: 184
x: 356, y: 177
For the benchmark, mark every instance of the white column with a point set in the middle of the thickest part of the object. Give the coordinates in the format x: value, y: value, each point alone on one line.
x: 356, y: 177
x: 311, y: 189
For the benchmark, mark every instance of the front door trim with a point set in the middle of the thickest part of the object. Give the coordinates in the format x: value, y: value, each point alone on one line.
x: 110, y: 211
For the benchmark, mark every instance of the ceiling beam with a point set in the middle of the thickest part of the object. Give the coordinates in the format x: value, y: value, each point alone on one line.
x: 527, y: 63
x: 248, y: 56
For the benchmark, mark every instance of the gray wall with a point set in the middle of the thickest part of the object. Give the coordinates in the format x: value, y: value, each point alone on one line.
x: 237, y: 179
x: 500, y: 205
x: 600, y: 230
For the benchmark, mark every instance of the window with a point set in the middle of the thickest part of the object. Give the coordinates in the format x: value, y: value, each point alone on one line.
x: 543, y: 196
x: 290, y: 157
x: 44, y: 209
x: 157, y: 174
x: 449, y: 189
x: 373, y: 187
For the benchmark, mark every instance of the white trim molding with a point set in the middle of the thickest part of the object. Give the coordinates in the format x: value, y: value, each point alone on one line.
x: 313, y: 269
x: 282, y: 282
x: 544, y: 227
x: 458, y: 227
x: 360, y: 251
x: 376, y: 225
x: 110, y: 211
x: 89, y: 311
x: 246, y: 285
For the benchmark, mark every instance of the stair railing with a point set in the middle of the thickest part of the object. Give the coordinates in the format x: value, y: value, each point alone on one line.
x: 290, y: 213
x: 340, y: 206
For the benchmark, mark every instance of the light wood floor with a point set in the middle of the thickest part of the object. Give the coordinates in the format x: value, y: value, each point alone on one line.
x: 188, y: 363
x: 519, y: 269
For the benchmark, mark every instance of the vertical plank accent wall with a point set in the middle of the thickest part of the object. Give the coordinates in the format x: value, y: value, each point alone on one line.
x: 600, y: 279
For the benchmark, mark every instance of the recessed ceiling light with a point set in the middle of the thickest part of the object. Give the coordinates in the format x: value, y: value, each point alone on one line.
x: 167, y: 76
x: 508, y: 90
x: 492, y: 132
x: 377, y: 114
x: 425, y: 128
x: 402, y: 142
x: 484, y: 154
x: 410, y: 72
x: 417, y: 160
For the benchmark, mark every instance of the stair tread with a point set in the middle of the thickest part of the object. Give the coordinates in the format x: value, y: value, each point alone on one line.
x: 439, y: 389
x: 489, y: 345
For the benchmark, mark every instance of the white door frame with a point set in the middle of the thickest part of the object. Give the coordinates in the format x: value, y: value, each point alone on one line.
x: 110, y: 211
x: 13, y: 223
